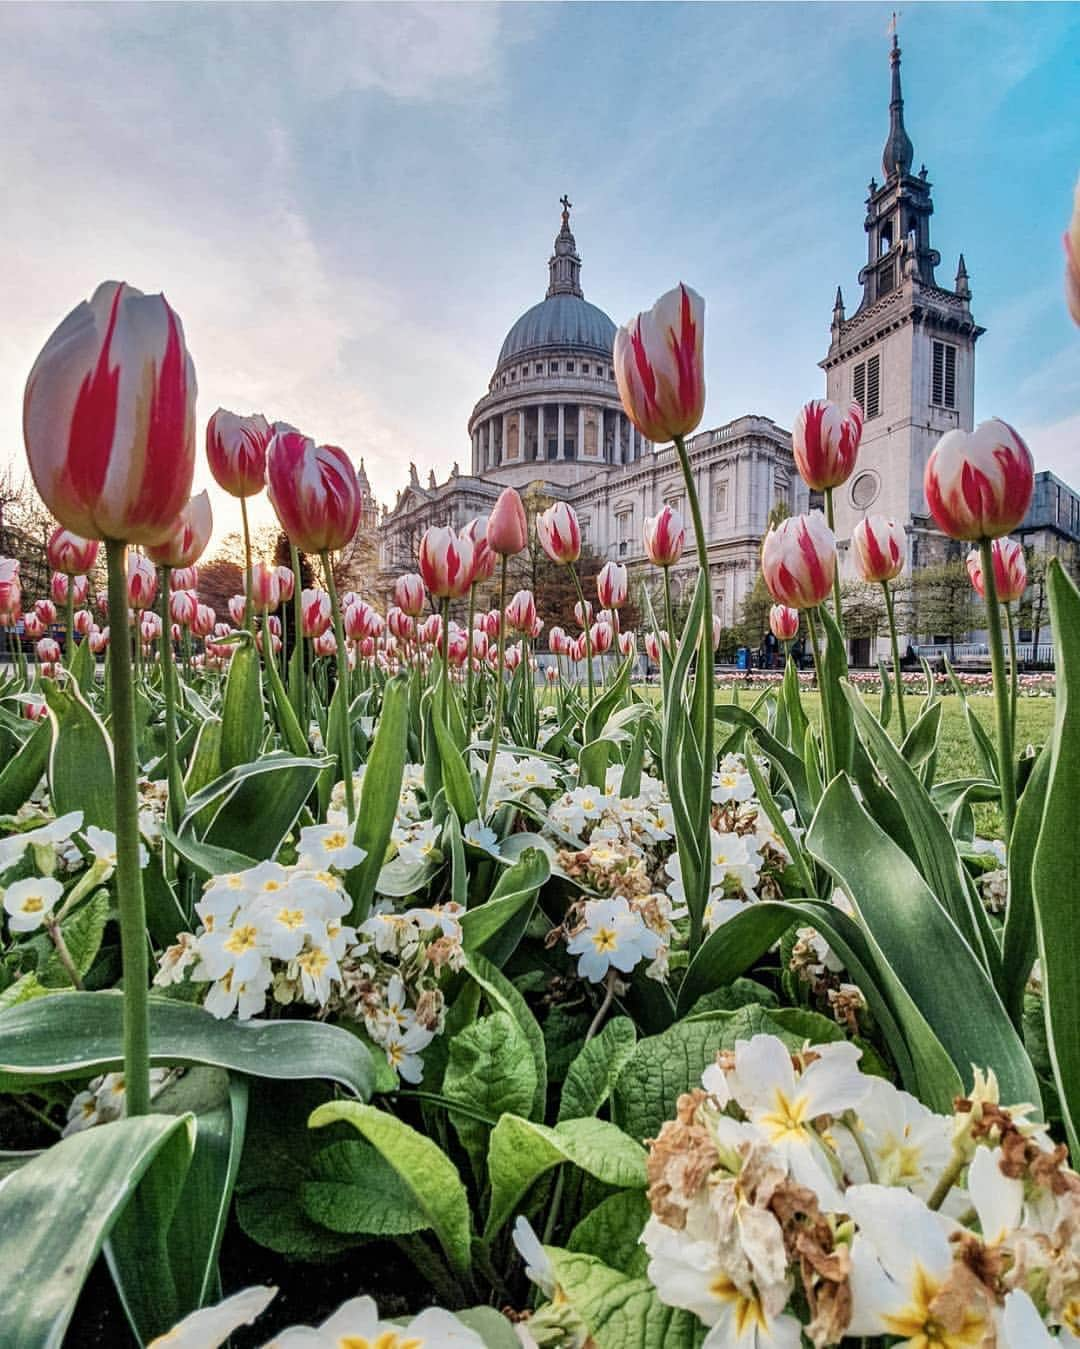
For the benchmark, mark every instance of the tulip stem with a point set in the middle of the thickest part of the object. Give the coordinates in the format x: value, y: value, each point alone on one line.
x: 1014, y: 671
x: 704, y: 695
x: 168, y: 679
x: 129, y: 887
x: 891, y: 612
x: 249, y: 611
x: 1006, y: 762
x: 669, y: 612
x: 469, y: 665
x: 830, y: 517
x: 69, y: 622
x: 444, y: 650
x: 826, y: 724
x: 585, y: 625
x: 345, y: 747
x: 496, y: 725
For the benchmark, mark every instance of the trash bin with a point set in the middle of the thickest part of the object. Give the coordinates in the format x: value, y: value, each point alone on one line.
x: 742, y: 658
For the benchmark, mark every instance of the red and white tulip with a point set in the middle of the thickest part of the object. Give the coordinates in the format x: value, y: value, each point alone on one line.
x: 521, y: 612
x: 611, y: 585
x: 784, y: 622
x: 236, y: 451
x: 664, y: 536
x: 446, y: 560
x: 1010, y: 570
x: 659, y: 365
x: 559, y: 533
x: 878, y: 545
x: 825, y: 443
x: 798, y: 560
x: 189, y: 537
x: 409, y: 594
x: 141, y: 581
x: 979, y: 483
x: 71, y: 553
x: 314, y: 490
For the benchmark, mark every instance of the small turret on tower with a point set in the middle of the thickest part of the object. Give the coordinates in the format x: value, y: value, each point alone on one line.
x: 963, y: 285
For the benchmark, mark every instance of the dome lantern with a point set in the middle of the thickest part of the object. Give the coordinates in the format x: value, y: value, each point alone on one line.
x: 565, y: 264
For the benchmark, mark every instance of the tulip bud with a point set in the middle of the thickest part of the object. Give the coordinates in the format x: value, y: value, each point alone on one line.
x: 557, y: 641
x: 513, y: 656
x: 102, y: 601
x: 409, y: 594
x: 10, y: 590
x: 109, y: 417
x: 99, y: 641
x: 659, y: 366
x: 978, y: 483
x: 400, y: 623
x: 445, y: 562
x: 189, y: 537
x: 236, y: 451
x: 1010, y: 570
x: 583, y: 615
x: 480, y: 644
x: 58, y: 588
x: 71, y: 553
x: 286, y: 583
x: 325, y: 644
x: 664, y: 536
x: 457, y: 646
x: 627, y: 644
x: 484, y: 559
x: 46, y: 612
x: 825, y: 443
x: 559, y: 533
x: 521, y: 611
x: 265, y: 588
x: 784, y: 622
x: 150, y: 627
x: 35, y: 709
x: 314, y: 491
x: 653, y: 643
x: 877, y: 548
x: 202, y: 625
x: 551, y: 674
x: 1072, y: 259
x: 184, y: 578
x: 430, y: 631
x: 611, y: 585
x: 354, y: 620
x: 492, y: 623
x: 48, y: 651
x: 183, y: 605
x: 507, y: 528
x: 141, y: 581
x: 33, y: 626
x: 317, y: 613
x: 601, y: 636
x: 82, y: 621
x: 798, y: 560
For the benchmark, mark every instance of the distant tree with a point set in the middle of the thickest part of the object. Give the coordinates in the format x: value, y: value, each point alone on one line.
x: 940, y: 602
x: 753, y: 621
x: 220, y: 578
x: 863, y: 607
x: 25, y: 526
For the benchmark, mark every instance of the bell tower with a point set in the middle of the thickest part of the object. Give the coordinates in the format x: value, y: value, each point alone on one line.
x: 907, y: 353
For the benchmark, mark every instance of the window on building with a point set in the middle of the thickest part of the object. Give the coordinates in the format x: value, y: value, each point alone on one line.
x: 553, y: 368
x: 583, y: 525
x: 721, y: 502
x: 943, y: 376
x: 553, y: 447
x: 584, y: 367
x: 611, y: 374
x: 539, y: 368
x: 866, y: 386
x: 570, y: 367
x: 624, y: 525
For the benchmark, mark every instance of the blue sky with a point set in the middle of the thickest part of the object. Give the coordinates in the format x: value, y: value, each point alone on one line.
x: 350, y: 205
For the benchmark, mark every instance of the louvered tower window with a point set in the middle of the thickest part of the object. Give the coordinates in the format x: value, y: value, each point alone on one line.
x: 943, y: 376
x: 866, y: 386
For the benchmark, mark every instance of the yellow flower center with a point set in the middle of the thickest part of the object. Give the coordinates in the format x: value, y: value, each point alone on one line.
x: 604, y: 939
x: 270, y: 886
x: 385, y: 1339
x: 33, y: 904
x: 748, y: 1310
x: 920, y: 1330
x: 334, y: 842
x: 243, y: 938
x: 788, y: 1118
x: 290, y: 918
x: 588, y: 803
x: 313, y: 962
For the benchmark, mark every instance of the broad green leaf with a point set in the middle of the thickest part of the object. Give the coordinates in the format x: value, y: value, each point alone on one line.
x: 612, y: 1232
x: 885, y: 706
x: 521, y: 1151
x: 204, y: 857
x: 57, y: 1210
x: 490, y: 1070
x: 621, y: 1312
x: 380, y: 795
x: 22, y: 990
x: 834, y: 706
x: 287, y: 720
x: 776, y: 818
x: 985, y: 752
x: 82, y: 934
x: 242, y: 709
x: 593, y: 1074
x: 23, y: 771
x: 491, y: 927
x: 903, y: 920
x: 922, y: 740
x: 502, y: 994
x: 354, y: 1190
x: 630, y: 782
x: 261, y: 805
x: 426, y: 1171
x: 80, y: 764
x: 1020, y: 943
x: 1056, y: 867
x: 494, y: 1329
x: 71, y: 1035
x: 456, y: 781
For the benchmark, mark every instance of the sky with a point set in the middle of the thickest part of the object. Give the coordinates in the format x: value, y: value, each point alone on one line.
x: 349, y: 205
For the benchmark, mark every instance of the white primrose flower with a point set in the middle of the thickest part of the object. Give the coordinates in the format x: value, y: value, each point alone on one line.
x: 613, y: 936
x: 403, y: 1049
x: 30, y: 902
x: 421, y: 843
x: 328, y: 845
x: 538, y: 1267
x: 211, y: 1326
x: 50, y: 835
x: 580, y: 806
x: 318, y: 969
x: 998, y: 1199
x: 102, y: 843
x: 907, y: 1143
x: 245, y: 997
x: 690, y: 1274
x: 901, y: 1258
x: 357, y: 1323
x: 732, y: 783
x: 783, y: 1104
x: 481, y: 836
x: 1021, y: 1327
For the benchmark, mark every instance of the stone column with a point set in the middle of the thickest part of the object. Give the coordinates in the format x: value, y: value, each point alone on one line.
x: 561, y: 454
x: 580, y: 430
x: 541, y: 448
x: 505, y: 425
x: 616, y: 453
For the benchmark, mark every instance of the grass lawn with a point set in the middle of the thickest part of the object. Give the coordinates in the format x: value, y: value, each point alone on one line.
x: 956, y: 754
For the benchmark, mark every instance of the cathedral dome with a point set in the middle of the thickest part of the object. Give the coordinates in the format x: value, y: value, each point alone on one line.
x: 560, y: 320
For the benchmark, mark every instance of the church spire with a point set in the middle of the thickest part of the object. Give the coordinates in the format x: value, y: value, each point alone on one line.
x: 565, y: 264
x: 899, y: 152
